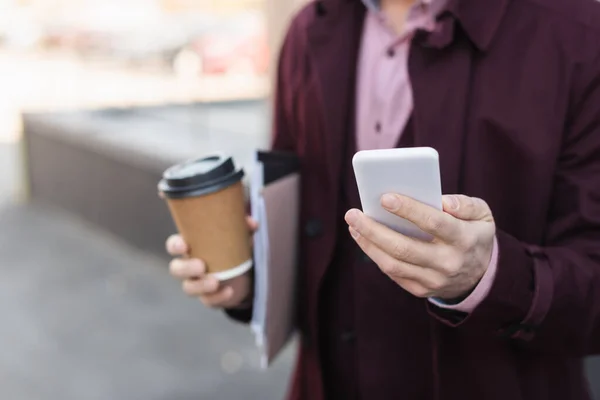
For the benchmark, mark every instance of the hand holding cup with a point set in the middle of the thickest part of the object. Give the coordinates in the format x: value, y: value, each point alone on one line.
x: 207, y: 202
x: 232, y: 293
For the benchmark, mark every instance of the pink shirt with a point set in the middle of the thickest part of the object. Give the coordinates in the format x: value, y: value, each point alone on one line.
x: 385, y: 99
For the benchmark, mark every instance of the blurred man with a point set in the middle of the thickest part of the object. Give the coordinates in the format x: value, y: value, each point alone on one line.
x: 505, y: 302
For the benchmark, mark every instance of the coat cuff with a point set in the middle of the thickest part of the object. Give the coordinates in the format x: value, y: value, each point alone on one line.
x: 481, y: 290
x: 518, y: 299
x: 243, y: 315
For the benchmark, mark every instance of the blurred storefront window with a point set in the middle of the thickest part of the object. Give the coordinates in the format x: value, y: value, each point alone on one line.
x: 57, y: 54
x: 223, y: 44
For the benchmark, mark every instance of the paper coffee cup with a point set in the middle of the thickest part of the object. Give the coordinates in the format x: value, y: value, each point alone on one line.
x: 207, y: 202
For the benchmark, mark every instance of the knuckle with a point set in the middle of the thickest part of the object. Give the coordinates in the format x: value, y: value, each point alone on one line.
x: 421, y: 292
x: 437, y: 284
x: 389, y: 268
x: 359, y: 239
x: 466, y: 201
x: 400, y: 251
x: 434, y: 223
x: 175, y: 267
x: 366, y: 229
x: 407, y: 208
x: 209, y: 286
x: 190, y: 288
x: 470, y: 242
x: 467, y: 241
x: 451, y: 268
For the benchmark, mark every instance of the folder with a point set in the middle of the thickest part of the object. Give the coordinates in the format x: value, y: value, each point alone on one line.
x: 275, y: 199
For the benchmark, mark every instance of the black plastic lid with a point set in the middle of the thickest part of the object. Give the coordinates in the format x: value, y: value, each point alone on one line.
x: 200, y: 177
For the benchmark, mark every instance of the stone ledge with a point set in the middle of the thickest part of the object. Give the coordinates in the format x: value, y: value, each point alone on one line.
x: 104, y: 165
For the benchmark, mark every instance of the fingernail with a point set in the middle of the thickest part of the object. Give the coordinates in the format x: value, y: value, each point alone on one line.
x: 451, y: 202
x: 354, y: 233
x: 390, y: 201
x: 352, y: 216
x: 178, y: 244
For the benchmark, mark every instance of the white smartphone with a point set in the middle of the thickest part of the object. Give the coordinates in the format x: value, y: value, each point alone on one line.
x: 413, y: 172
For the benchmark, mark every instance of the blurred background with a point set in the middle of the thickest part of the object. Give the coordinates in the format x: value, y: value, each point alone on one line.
x: 97, y: 98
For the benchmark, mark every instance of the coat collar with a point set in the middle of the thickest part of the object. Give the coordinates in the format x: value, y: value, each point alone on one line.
x: 334, y: 41
x: 479, y: 19
x: 334, y: 29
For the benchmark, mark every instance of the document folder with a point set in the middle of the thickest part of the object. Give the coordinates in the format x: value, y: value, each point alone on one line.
x: 275, y: 198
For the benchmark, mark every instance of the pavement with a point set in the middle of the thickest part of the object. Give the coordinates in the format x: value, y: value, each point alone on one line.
x: 86, y: 317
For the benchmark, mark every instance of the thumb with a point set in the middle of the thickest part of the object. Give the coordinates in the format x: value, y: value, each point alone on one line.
x: 467, y: 208
x: 252, y: 224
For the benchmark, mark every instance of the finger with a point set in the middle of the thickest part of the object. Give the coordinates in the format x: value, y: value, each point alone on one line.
x: 200, y: 287
x: 221, y: 298
x: 176, y: 246
x: 420, y: 282
x: 435, y: 222
x: 187, y: 268
x: 466, y: 208
x: 396, y: 245
x: 390, y: 266
x: 252, y: 224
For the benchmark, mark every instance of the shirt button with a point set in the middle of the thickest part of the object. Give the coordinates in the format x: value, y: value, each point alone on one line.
x: 306, y: 340
x: 313, y: 228
x: 391, y: 52
x: 378, y: 127
x: 348, y: 336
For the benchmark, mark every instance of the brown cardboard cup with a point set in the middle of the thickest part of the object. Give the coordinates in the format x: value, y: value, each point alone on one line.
x: 207, y: 203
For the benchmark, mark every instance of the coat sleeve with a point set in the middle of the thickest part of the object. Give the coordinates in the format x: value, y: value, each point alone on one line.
x: 547, y: 298
x: 283, y: 137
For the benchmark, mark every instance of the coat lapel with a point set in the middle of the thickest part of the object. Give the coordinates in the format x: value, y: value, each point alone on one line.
x: 333, y: 45
x: 334, y: 41
x: 442, y: 76
x: 441, y: 80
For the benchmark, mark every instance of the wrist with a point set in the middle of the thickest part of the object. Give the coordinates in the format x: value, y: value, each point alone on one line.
x: 245, y: 304
x: 453, y: 300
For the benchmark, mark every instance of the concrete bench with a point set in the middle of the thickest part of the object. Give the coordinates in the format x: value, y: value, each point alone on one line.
x: 104, y: 165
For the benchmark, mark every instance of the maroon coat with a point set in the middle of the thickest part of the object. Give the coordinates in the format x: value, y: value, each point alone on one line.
x: 508, y: 92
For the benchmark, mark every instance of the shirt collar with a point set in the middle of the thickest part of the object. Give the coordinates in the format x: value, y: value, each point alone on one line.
x: 480, y: 20
x: 374, y: 5
x: 435, y: 7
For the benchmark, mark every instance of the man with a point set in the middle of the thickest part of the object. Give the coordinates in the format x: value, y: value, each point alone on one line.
x: 504, y: 303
